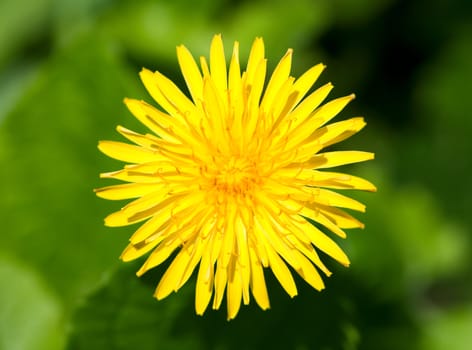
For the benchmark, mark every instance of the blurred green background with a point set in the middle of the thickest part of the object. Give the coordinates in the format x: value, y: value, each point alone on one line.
x: 65, y: 67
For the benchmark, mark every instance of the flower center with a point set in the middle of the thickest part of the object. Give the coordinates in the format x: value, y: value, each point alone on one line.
x: 234, y: 176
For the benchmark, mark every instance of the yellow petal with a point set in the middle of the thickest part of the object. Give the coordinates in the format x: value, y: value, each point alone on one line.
x: 193, y: 77
x: 234, y: 290
x: 254, y: 89
x: 175, y: 219
x: 204, y: 286
x: 159, y: 255
x: 255, y: 57
x: 337, y: 132
x: 152, y: 172
x: 301, y: 173
x: 277, y: 80
x: 274, y: 239
x: 126, y: 152
x: 146, y: 141
x: 253, y: 84
x: 258, y: 285
x: 158, y: 122
x: 217, y: 242
x: 337, y: 158
x: 339, y: 217
x: 163, y: 148
x: 306, y: 107
x: 325, y: 244
x: 216, y: 117
x: 149, y: 80
x: 135, y: 251
x: 335, y: 199
x: 327, y: 136
x: 306, y: 81
x: 182, y: 107
x: 195, y: 251
x: 229, y: 238
x: 147, y: 206
x: 308, y: 251
x: 281, y: 272
x: 181, y: 104
x: 125, y: 191
x: 248, y: 220
x: 154, y: 226
x: 313, y: 212
x: 218, y: 66
x: 235, y: 83
x: 308, y: 272
x: 282, y: 104
x: 170, y: 281
x: 204, y: 65
x: 236, y: 102
x: 220, y: 285
x: 170, y: 97
x: 123, y: 217
x: 331, y: 109
x: 315, y: 120
x: 242, y: 252
x: 344, y: 181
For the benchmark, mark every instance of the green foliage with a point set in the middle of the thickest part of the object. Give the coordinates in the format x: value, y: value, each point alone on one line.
x: 49, y: 142
x: 31, y: 315
x: 121, y: 314
x: 65, y: 67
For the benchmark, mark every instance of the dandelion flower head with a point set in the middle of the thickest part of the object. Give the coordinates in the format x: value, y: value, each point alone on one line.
x: 226, y: 180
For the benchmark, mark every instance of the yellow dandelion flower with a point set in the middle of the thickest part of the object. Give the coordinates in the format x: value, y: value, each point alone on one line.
x: 227, y: 178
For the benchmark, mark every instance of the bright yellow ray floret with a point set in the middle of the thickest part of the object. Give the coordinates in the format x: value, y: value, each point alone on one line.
x: 228, y: 177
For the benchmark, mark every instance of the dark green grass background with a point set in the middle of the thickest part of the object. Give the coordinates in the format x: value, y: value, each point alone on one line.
x: 65, y: 67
